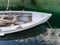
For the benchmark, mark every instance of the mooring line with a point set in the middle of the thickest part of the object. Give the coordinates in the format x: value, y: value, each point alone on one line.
x: 49, y: 24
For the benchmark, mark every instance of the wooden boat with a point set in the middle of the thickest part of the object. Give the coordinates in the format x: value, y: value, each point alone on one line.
x: 14, y: 21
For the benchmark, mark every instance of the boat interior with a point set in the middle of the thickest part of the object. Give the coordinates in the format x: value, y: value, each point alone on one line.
x: 7, y: 19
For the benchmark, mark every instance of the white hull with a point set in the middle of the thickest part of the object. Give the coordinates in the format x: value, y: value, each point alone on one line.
x: 37, y: 18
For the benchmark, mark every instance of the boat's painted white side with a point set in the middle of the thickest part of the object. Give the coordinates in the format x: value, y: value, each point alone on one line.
x: 37, y: 18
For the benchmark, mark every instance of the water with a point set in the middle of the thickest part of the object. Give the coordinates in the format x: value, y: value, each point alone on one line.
x: 28, y: 37
x: 22, y: 43
x: 28, y: 41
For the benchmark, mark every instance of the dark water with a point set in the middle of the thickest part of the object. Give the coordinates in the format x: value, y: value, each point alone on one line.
x: 32, y: 32
x: 27, y: 37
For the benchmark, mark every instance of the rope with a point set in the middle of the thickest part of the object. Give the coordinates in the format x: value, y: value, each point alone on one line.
x: 8, y: 5
x: 49, y: 24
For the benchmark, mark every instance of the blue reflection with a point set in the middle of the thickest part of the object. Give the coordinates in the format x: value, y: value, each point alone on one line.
x: 23, y: 43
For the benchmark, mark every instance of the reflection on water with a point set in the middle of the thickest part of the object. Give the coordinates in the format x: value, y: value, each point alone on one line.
x: 28, y: 41
x: 34, y: 41
x: 34, y: 36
